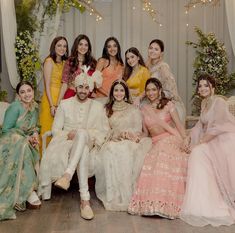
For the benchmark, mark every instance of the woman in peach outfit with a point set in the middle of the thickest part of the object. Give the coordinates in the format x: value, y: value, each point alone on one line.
x: 111, y: 66
x: 161, y: 184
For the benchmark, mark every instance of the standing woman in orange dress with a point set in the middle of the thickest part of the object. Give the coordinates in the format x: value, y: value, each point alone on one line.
x: 81, y: 54
x: 52, y: 74
x: 135, y: 74
x: 111, y: 65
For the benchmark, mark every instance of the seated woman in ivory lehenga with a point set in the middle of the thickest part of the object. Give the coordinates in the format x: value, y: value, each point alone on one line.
x: 210, y: 192
x: 120, y: 158
x: 161, y: 184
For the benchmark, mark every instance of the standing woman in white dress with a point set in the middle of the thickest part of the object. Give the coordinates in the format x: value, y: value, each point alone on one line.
x: 120, y: 159
x: 161, y: 70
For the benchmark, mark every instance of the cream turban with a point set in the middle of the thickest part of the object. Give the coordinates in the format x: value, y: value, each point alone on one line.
x: 95, y: 79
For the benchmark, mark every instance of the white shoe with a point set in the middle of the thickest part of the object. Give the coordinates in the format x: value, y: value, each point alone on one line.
x: 87, y: 212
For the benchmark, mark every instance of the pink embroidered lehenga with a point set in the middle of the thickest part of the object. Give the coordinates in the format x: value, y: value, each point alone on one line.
x: 210, y: 193
x: 161, y: 184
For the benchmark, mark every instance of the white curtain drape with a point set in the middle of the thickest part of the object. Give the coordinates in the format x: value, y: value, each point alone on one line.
x: 230, y: 10
x: 50, y: 29
x: 126, y: 20
x: 9, y: 30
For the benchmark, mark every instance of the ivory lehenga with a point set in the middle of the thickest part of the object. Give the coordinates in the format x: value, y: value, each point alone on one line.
x: 119, y: 161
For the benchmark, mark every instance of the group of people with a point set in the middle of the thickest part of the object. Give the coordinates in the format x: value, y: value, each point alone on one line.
x: 123, y: 123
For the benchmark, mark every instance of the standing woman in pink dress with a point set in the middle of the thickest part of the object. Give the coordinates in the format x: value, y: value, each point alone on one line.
x: 81, y: 54
x: 111, y: 66
x: 161, y: 184
x: 210, y: 192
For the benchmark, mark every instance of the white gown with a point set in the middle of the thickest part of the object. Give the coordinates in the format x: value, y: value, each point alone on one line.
x: 119, y: 162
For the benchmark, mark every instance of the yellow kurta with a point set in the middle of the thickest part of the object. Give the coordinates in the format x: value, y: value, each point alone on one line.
x: 45, y: 117
x: 136, y: 83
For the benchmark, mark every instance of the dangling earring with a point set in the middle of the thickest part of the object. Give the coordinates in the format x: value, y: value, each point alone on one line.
x: 160, y: 95
x: 125, y: 99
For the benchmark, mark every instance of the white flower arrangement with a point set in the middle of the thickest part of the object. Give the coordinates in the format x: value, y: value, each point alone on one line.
x: 27, y: 57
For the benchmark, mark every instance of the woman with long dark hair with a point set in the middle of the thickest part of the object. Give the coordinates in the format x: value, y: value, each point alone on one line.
x: 81, y: 54
x: 52, y: 74
x: 120, y: 158
x: 135, y: 74
x: 210, y: 192
x: 111, y: 65
x: 161, y: 185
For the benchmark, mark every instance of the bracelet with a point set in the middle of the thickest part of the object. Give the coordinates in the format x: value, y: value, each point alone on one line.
x: 55, y: 106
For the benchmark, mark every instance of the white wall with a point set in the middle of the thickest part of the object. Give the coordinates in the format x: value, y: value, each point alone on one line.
x: 136, y: 28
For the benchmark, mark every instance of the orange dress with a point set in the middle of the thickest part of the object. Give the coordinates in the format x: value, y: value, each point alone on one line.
x: 110, y: 74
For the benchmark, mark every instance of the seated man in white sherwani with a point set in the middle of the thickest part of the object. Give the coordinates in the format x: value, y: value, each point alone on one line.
x: 79, y: 128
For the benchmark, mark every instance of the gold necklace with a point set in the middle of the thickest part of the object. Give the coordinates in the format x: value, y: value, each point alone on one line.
x: 120, y: 106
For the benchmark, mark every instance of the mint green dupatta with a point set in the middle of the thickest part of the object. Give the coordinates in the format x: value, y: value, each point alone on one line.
x: 18, y: 158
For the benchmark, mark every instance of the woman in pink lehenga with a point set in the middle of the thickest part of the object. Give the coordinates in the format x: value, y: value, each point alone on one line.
x: 161, y: 184
x: 210, y: 193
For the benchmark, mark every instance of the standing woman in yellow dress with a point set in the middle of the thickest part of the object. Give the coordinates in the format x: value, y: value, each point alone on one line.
x: 52, y: 74
x: 111, y: 66
x: 135, y: 74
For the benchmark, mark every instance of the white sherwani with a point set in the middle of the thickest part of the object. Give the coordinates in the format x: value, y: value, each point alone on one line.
x: 62, y: 155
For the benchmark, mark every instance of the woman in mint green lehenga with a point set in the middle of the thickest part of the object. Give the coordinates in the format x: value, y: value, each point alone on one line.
x: 19, y: 155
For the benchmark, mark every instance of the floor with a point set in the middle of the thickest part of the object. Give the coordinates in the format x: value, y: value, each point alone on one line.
x: 61, y: 215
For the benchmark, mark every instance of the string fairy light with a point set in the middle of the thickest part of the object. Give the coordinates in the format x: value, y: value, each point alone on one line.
x: 147, y: 6
x: 91, y: 9
x: 193, y: 3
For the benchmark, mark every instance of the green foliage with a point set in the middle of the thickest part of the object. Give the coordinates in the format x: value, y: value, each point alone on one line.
x: 211, y: 58
x: 3, y: 95
x: 26, y: 49
x: 64, y: 6
x: 24, y: 17
x: 27, y: 57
